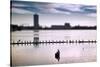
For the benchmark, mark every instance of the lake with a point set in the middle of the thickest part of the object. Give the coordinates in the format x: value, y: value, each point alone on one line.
x: 45, y: 53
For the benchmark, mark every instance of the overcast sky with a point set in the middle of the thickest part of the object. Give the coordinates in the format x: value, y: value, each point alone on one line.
x: 53, y: 13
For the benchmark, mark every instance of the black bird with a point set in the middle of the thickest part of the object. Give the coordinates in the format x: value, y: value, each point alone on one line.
x: 57, y: 55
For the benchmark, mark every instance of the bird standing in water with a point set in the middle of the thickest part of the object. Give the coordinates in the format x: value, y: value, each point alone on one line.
x: 57, y: 55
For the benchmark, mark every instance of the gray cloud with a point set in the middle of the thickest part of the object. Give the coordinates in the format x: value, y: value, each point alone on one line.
x: 40, y: 7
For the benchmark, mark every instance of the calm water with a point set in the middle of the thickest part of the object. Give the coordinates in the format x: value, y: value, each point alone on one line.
x: 45, y: 53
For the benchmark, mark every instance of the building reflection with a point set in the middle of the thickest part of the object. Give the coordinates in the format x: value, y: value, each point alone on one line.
x: 36, y: 38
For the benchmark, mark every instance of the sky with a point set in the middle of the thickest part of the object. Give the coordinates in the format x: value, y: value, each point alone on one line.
x: 53, y: 13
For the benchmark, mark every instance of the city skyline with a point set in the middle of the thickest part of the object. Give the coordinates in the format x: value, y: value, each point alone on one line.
x: 37, y: 26
x: 52, y: 19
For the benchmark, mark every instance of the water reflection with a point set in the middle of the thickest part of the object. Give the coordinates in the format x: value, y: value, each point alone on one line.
x: 36, y: 38
x: 53, y: 52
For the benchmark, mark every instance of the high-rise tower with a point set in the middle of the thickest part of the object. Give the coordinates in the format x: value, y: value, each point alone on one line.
x: 36, y: 21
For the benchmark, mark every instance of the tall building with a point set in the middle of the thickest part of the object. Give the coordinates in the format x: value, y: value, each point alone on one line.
x: 67, y: 25
x: 36, y: 21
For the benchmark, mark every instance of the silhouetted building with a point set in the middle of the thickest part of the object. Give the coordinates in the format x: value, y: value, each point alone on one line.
x: 67, y: 25
x: 57, y: 27
x: 36, y: 21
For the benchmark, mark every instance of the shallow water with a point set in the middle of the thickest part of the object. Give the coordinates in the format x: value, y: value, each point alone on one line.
x: 45, y: 53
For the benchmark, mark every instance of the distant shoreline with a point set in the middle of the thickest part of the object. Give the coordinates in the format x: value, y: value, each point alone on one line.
x: 52, y: 29
x: 19, y: 28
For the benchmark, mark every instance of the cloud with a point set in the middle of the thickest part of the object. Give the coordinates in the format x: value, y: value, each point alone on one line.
x: 40, y: 7
x: 24, y: 7
x: 71, y: 7
x: 92, y: 15
x: 49, y: 8
x: 89, y: 9
x: 20, y: 11
x: 18, y: 5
